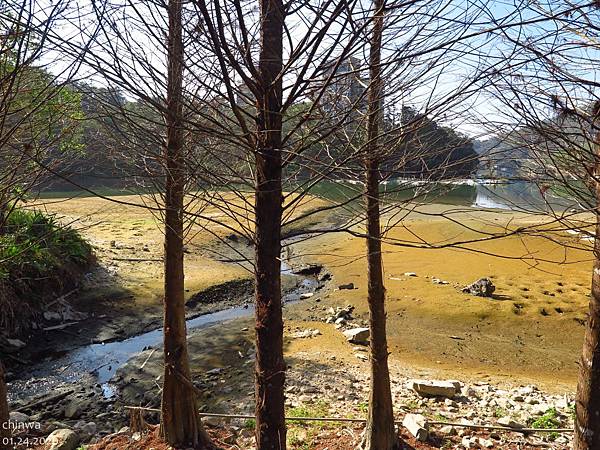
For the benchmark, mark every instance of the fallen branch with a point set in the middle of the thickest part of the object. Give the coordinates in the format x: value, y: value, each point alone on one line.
x: 61, y: 298
x: 147, y: 359
x: 43, y: 401
x: 59, y: 327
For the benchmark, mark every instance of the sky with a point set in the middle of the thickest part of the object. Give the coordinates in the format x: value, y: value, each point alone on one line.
x: 446, y: 82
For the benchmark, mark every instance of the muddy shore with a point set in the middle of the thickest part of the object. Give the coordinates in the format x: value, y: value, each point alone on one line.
x: 435, y: 330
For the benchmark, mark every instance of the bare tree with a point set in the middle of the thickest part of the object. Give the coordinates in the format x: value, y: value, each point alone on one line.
x: 380, y: 432
x: 550, y: 86
x: 148, y: 141
x: 180, y: 422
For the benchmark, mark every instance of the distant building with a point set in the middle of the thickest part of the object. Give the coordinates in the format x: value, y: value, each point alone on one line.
x: 346, y: 88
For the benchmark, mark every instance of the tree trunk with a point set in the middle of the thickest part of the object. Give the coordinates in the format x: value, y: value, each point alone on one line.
x: 380, y: 433
x: 587, y: 407
x: 270, y: 365
x: 180, y: 422
x: 4, y: 429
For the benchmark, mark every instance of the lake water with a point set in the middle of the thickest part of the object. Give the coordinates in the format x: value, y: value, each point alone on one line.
x: 515, y: 195
x: 511, y: 195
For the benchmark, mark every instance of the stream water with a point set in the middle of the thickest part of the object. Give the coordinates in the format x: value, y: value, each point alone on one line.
x: 98, y: 363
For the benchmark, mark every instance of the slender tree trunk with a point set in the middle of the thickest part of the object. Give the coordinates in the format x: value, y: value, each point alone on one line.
x: 4, y: 429
x: 380, y: 433
x: 180, y: 422
x: 587, y: 407
x: 270, y: 365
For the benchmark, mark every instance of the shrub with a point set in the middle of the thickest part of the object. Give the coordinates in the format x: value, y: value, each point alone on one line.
x: 38, y: 257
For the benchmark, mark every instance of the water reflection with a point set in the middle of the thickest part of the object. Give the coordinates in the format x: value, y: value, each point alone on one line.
x: 517, y: 195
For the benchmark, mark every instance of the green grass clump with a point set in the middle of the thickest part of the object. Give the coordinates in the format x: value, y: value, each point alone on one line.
x: 550, y: 419
x: 250, y: 424
x: 39, y: 259
x: 33, y: 245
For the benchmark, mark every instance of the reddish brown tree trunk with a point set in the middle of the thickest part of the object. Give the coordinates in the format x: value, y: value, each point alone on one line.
x: 180, y: 422
x: 270, y: 365
x: 587, y: 407
x: 380, y: 433
x: 4, y: 415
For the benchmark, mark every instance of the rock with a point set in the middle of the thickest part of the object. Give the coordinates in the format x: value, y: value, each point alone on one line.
x: 308, y: 270
x: 486, y: 443
x: 306, y: 295
x: 74, y: 409
x: 16, y: 344
x: 334, y: 315
x: 324, y: 277
x: 481, y: 288
x: 531, y: 400
x: 361, y: 357
x: 88, y: 430
x: 468, y: 391
x: 17, y: 417
x: 410, y: 274
x: 433, y: 388
x: 468, y: 442
x: 348, y: 286
x: 51, y: 316
x: 63, y: 439
x: 357, y: 335
x: 308, y: 333
x: 448, y: 430
x: 508, y: 422
x: 417, y: 425
x: 438, y: 281
x: 457, y: 384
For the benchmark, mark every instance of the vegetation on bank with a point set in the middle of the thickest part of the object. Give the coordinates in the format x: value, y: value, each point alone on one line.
x: 39, y: 260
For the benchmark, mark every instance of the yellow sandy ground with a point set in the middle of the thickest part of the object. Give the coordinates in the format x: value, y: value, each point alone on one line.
x: 532, y: 330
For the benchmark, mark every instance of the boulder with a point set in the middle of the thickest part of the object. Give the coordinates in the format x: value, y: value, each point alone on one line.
x: 87, y: 430
x: 62, y: 439
x: 433, y: 388
x: 357, y: 335
x: 508, y: 422
x: 416, y: 424
x: 448, y: 430
x: 17, y: 417
x: 348, y: 286
x: 481, y: 288
x: 51, y: 316
x: 74, y: 409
